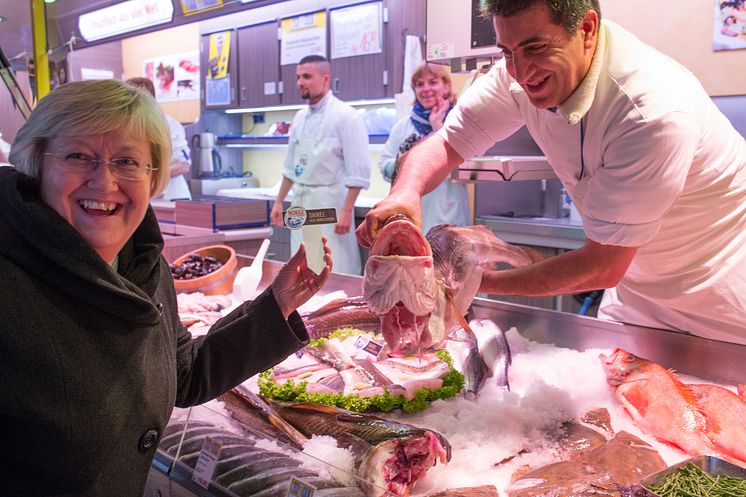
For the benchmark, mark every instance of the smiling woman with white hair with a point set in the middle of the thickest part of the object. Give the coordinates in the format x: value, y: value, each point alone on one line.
x: 93, y: 357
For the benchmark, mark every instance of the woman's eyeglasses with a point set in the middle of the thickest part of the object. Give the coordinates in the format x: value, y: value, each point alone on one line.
x: 124, y: 167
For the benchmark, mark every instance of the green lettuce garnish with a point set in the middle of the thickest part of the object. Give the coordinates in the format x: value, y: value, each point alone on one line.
x: 291, y: 391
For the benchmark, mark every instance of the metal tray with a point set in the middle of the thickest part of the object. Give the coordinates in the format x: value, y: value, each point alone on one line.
x: 709, y: 464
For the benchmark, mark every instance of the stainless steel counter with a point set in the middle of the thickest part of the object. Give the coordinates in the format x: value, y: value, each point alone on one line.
x: 537, y: 231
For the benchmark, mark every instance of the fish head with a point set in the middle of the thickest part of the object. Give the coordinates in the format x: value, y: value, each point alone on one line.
x: 395, y: 465
x: 618, y: 365
x: 400, y: 286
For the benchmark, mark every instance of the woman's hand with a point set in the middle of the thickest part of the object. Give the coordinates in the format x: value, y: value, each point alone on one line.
x: 438, y: 114
x: 295, y: 283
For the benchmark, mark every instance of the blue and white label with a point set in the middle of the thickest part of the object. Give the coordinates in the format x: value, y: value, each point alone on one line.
x: 295, y: 217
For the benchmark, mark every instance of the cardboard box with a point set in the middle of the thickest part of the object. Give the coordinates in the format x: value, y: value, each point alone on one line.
x: 222, y: 213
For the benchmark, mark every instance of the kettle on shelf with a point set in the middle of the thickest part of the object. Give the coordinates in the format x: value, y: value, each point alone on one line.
x: 210, y: 163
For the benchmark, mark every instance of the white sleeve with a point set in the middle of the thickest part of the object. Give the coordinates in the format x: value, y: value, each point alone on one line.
x: 354, y: 137
x: 485, y: 114
x: 179, y: 145
x: 391, y: 148
x: 288, y: 168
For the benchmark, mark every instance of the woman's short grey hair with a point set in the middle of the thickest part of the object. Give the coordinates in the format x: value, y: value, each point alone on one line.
x: 565, y: 13
x: 94, y: 107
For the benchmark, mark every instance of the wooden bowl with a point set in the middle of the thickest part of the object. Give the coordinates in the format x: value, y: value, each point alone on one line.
x: 218, y: 282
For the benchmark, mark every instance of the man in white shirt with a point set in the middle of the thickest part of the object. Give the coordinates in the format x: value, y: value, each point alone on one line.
x: 657, y: 173
x: 177, y: 188
x: 327, y: 163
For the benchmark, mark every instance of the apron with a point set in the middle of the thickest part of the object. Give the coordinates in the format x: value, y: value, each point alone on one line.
x: 311, y: 153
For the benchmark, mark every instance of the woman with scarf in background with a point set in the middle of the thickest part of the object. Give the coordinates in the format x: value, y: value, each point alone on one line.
x: 448, y: 203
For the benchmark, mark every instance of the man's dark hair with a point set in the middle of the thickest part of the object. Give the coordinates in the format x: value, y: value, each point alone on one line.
x: 312, y: 59
x: 565, y: 13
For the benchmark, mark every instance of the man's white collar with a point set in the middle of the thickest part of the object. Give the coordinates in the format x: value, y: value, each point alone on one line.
x: 577, y: 105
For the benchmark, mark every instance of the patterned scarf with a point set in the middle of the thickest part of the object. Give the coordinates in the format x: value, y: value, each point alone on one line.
x: 420, y: 119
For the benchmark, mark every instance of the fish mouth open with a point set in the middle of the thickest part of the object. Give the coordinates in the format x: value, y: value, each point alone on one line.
x: 400, y: 285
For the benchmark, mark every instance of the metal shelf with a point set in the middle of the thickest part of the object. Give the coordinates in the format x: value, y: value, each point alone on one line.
x: 249, y: 141
x: 494, y: 168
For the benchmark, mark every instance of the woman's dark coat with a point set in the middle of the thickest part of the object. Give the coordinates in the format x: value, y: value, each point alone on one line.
x: 93, y: 360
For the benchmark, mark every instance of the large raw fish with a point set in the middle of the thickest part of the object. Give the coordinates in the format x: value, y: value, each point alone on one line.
x: 725, y: 413
x: 400, y: 285
x: 658, y: 402
x: 390, y: 454
x: 421, y: 287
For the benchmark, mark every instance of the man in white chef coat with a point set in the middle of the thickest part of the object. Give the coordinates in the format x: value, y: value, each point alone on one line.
x: 657, y: 173
x: 327, y: 163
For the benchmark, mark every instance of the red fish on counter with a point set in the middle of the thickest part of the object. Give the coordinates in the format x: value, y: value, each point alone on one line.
x: 658, y: 402
x: 725, y: 413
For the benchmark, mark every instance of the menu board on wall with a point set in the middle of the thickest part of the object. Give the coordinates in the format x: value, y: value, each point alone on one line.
x: 302, y: 35
x: 218, y: 80
x: 356, y: 30
x: 175, y: 77
x: 189, y: 7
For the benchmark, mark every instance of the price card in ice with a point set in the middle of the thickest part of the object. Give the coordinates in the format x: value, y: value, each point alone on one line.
x: 310, y: 221
x: 299, y: 488
x: 208, y: 458
x: 367, y: 344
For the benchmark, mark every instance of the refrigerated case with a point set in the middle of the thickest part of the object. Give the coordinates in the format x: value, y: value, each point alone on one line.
x: 546, y: 330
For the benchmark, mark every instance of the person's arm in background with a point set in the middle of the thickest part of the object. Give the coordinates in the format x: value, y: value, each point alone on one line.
x: 354, y: 137
x: 181, y: 161
x: 288, y: 169
x: 275, y: 215
x: 421, y: 170
x: 387, y: 162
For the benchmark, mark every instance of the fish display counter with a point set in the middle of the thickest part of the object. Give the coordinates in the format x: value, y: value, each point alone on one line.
x: 558, y: 427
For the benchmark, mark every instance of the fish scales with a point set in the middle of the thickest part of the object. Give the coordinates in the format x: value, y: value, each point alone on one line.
x: 352, y: 312
x: 228, y: 454
x: 256, y: 483
x: 194, y: 444
x: 372, y: 430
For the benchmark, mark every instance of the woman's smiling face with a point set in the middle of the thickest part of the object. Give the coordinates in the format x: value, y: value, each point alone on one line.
x: 430, y: 89
x: 102, y: 207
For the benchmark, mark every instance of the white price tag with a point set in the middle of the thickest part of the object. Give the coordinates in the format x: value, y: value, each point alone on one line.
x: 299, y: 488
x: 367, y: 344
x: 310, y: 221
x: 208, y: 458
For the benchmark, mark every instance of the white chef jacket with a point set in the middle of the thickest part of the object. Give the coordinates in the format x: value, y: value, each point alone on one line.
x: 661, y: 169
x: 177, y: 187
x: 327, y: 154
x: 447, y: 204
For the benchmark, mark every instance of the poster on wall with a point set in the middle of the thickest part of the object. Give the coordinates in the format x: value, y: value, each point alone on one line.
x: 729, y: 25
x: 218, y: 80
x: 189, y: 7
x: 356, y: 30
x: 175, y: 77
x: 302, y: 35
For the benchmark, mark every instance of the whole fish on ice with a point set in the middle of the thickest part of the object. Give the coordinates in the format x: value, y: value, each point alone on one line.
x: 421, y: 287
x: 658, y: 402
x: 725, y: 413
x: 390, y: 454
